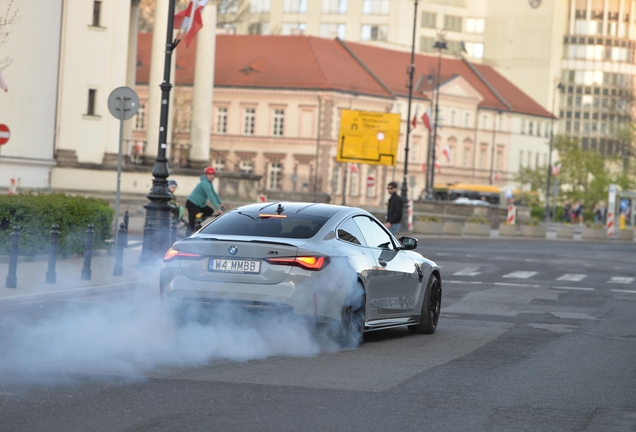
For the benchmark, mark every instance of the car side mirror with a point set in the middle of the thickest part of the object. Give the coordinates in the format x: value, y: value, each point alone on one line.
x: 408, y: 243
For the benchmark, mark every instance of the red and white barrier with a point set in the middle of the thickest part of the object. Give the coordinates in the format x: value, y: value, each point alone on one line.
x: 12, y: 186
x: 410, y: 215
x: 512, y: 215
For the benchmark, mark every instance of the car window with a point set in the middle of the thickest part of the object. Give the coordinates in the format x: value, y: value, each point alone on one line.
x: 348, y: 231
x: 374, y: 235
x: 294, y: 225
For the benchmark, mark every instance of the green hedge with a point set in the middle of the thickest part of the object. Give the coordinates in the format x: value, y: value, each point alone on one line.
x: 36, y: 213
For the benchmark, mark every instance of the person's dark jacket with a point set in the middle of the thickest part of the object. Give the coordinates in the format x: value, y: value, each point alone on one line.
x: 394, y: 213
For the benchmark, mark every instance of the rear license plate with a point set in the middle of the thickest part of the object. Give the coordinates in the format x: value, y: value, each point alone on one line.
x: 234, y: 266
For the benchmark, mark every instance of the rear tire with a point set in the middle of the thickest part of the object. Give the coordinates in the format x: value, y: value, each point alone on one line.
x: 431, y: 307
x: 351, y: 330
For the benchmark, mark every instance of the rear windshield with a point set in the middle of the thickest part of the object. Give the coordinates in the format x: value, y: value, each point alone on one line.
x: 299, y: 226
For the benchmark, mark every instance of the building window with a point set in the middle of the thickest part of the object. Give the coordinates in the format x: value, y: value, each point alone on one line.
x: 374, y: 32
x: 429, y: 19
x: 228, y: 7
x: 482, y: 157
x: 259, y: 6
x: 538, y: 129
x: 453, y: 23
x: 248, y: 124
x: 530, y: 127
x: 520, y: 159
x: 523, y: 126
x: 467, y: 120
x: 376, y: 7
x: 536, y: 160
x: 221, y: 120
x: 529, y: 159
x: 258, y: 28
x: 475, y: 49
x: 293, y: 28
x: 274, y: 176
x: 140, y: 118
x: 92, y: 95
x: 484, y: 122
x: 466, y: 157
x: 97, y: 12
x: 453, y: 117
x: 219, y: 164
x: 279, y: 122
x: 295, y: 6
x: 331, y: 30
x: 246, y: 166
x: 498, y: 160
x: 334, y: 6
x: 475, y: 25
x: 414, y: 152
x: 426, y: 44
x: 354, y: 186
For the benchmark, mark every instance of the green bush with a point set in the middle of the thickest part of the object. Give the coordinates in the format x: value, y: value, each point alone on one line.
x: 36, y: 214
x: 478, y: 220
x: 532, y: 222
x: 430, y: 218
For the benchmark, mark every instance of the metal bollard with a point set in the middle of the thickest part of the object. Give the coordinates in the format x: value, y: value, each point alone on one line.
x: 88, y: 252
x: 126, y: 219
x: 119, y: 251
x: 173, y: 232
x: 12, y: 279
x: 55, y: 237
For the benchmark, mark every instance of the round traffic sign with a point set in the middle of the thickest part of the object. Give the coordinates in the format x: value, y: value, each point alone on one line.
x: 370, y: 181
x: 130, y: 102
x: 5, y: 134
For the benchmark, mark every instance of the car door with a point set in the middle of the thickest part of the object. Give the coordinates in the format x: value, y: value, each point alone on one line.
x: 394, y: 282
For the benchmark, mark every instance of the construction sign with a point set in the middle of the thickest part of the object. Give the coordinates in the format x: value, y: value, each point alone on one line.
x: 368, y: 137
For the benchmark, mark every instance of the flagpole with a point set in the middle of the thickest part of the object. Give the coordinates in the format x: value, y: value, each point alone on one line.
x: 157, y: 225
x: 410, y: 71
x: 546, y: 216
x: 440, y: 45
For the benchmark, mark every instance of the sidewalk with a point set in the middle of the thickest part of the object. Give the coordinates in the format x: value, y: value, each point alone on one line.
x: 32, y: 275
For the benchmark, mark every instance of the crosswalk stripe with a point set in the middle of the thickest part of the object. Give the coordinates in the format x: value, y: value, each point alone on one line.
x: 573, y: 288
x: 624, y: 291
x: 621, y: 280
x: 573, y: 277
x: 468, y: 271
x: 520, y: 274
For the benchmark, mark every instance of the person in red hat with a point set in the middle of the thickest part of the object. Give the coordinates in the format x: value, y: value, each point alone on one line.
x: 202, y: 193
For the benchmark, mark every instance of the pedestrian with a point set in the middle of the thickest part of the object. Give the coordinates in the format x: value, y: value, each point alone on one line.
x: 394, y: 209
x: 177, y: 211
x: 598, y: 213
x: 567, y: 210
x: 197, y: 200
x: 578, y: 212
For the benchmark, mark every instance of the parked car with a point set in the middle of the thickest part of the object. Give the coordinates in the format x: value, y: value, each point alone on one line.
x: 331, y: 264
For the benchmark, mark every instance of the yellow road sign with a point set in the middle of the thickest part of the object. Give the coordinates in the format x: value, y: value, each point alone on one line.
x: 368, y: 137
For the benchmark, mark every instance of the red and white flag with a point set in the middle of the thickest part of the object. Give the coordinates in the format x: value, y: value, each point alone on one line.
x: 3, y: 83
x: 426, y: 118
x: 354, y: 168
x: 414, y: 121
x: 555, y: 169
x: 438, y: 166
x: 447, y: 152
x: 189, y: 20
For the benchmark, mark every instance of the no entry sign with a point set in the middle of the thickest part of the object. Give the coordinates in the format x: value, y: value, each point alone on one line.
x: 5, y: 134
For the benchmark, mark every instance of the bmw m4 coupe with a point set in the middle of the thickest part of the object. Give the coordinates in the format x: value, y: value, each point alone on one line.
x: 331, y: 264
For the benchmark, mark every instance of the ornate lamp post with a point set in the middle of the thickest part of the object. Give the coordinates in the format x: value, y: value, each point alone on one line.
x: 440, y: 45
x: 410, y: 71
x: 560, y: 87
x: 158, y: 221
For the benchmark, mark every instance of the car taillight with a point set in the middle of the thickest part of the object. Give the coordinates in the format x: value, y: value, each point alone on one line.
x: 174, y: 253
x: 306, y: 262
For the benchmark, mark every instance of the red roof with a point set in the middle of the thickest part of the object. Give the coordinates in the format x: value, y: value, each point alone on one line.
x: 312, y: 63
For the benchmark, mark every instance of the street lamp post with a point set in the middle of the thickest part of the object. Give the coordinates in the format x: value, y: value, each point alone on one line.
x: 410, y: 71
x: 440, y: 45
x: 559, y: 86
x: 158, y: 209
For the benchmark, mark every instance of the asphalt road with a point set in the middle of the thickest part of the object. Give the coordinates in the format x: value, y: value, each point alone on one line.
x: 534, y: 335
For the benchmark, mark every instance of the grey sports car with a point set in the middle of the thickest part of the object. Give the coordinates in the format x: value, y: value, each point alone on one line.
x: 332, y: 264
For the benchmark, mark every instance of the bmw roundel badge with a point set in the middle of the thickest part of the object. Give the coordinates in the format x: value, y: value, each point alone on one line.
x: 232, y: 250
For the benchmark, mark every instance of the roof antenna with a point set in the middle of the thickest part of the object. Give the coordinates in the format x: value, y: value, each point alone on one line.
x: 280, y: 208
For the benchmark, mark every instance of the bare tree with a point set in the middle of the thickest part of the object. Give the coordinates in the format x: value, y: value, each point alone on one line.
x: 229, y: 12
x: 9, y: 18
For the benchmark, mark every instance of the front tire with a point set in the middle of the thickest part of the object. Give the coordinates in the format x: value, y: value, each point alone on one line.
x: 431, y: 308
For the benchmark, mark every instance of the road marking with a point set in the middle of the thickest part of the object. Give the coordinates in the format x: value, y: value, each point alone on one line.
x: 516, y: 284
x: 442, y: 254
x: 463, y: 282
x: 520, y: 274
x: 624, y: 291
x: 572, y: 277
x: 468, y: 271
x: 621, y: 280
x: 572, y: 288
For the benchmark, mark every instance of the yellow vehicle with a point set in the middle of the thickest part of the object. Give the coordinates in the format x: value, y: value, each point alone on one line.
x: 450, y: 192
